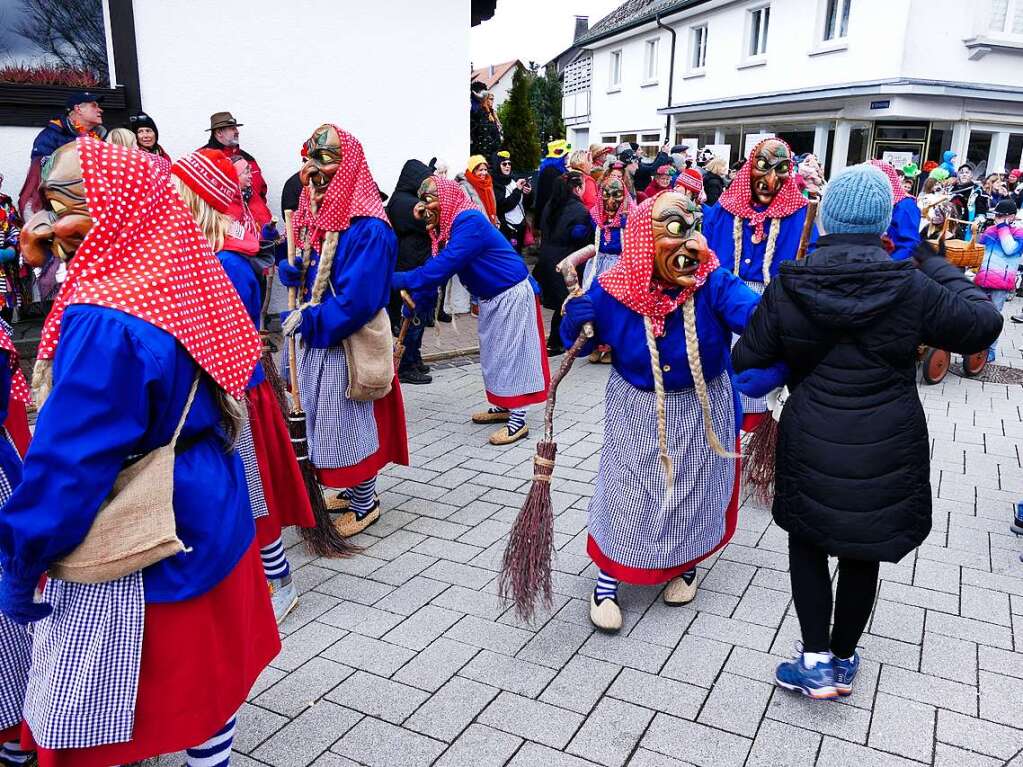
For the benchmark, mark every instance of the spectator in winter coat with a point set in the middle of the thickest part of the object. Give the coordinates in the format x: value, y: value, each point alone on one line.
x: 83, y: 116
x: 646, y: 170
x: 485, y: 134
x: 566, y: 226
x: 477, y: 174
x: 581, y: 161
x: 1003, y: 248
x: 224, y: 136
x: 661, y: 182
x: 413, y: 252
x: 554, y: 165
x: 852, y: 474
x: 148, y: 135
x: 512, y: 196
x: 714, y: 179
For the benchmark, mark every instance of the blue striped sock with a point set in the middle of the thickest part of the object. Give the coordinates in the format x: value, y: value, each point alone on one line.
x: 275, y: 561
x: 12, y: 753
x: 607, y: 587
x: 215, y: 752
x: 363, y: 497
x: 516, y: 420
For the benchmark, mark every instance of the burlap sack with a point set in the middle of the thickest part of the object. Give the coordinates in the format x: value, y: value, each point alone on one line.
x: 369, y: 354
x: 135, y: 525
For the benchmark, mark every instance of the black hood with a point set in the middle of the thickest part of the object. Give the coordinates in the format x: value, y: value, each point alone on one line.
x: 495, y: 170
x: 413, y: 172
x: 848, y: 282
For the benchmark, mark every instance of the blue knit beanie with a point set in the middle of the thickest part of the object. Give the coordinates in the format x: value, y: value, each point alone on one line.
x: 857, y: 201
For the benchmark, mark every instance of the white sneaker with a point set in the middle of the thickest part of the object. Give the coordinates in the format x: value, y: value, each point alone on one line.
x: 283, y: 597
x: 606, y: 615
x: 678, y: 592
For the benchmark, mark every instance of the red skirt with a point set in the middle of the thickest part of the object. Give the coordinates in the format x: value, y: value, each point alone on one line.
x: 533, y: 398
x: 200, y: 659
x: 651, y: 577
x: 283, y: 486
x: 17, y: 425
x: 389, y: 413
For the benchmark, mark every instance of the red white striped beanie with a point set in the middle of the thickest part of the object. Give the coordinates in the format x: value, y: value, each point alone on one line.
x: 211, y: 175
x: 691, y: 179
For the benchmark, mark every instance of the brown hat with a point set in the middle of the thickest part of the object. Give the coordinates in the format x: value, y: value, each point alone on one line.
x: 222, y: 120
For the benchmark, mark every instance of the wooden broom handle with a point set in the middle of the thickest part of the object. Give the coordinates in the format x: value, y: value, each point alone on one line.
x: 804, y: 238
x: 292, y: 304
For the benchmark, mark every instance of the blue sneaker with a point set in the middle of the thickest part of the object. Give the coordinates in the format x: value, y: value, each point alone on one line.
x: 817, y: 682
x: 1017, y: 519
x: 845, y: 672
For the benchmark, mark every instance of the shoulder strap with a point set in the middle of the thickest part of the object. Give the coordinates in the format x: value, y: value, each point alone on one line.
x: 188, y: 407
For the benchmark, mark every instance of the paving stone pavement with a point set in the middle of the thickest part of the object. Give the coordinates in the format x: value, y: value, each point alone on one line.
x: 404, y: 656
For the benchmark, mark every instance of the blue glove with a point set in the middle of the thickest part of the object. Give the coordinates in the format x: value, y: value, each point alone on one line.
x: 7, y: 255
x: 17, y: 601
x: 579, y: 311
x: 291, y: 276
x: 757, y: 382
x: 269, y: 232
x: 398, y: 281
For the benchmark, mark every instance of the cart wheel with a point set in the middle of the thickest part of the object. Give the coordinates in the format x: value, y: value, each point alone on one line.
x: 936, y: 363
x: 973, y: 364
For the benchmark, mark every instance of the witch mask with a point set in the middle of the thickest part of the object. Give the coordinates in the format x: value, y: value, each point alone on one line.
x: 679, y: 247
x: 428, y: 207
x: 612, y: 195
x: 64, y: 224
x: 771, y: 167
x: 323, y: 159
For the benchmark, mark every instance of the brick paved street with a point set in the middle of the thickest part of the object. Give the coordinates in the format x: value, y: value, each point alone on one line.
x: 405, y: 657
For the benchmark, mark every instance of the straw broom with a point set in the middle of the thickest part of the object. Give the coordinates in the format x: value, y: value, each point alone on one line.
x: 526, y: 569
x: 323, y: 539
x: 762, y: 442
x: 399, y: 342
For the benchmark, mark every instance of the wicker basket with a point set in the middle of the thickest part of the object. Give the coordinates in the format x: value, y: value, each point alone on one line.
x: 965, y: 254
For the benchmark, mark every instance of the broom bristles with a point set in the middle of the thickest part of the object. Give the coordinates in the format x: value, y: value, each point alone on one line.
x: 323, y: 540
x: 526, y: 570
x: 758, y: 460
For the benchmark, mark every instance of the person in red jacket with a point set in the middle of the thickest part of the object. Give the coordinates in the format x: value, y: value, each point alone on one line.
x: 224, y: 135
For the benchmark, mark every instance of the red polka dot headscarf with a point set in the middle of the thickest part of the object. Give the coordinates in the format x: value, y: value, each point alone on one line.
x: 632, y: 280
x: 736, y: 199
x: 146, y: 257
x: 351, y: 193
x: 19, y: 386
x: 898, y: 193
x: 453, y: 200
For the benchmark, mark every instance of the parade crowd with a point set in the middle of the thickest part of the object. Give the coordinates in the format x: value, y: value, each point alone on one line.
x: 754, y: 314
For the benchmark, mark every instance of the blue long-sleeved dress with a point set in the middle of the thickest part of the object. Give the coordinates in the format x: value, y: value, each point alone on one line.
x: 904, y: 231
x: 718, y: 229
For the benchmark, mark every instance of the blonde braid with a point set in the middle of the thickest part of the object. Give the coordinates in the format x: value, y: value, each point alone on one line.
x: 327, y: 252
x: 662, y: 416
x: 699, y: 383
x: 772, y: 239
x: 737, y: 238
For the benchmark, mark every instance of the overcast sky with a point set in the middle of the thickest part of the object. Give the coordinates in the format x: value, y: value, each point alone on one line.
x: 532, y: 29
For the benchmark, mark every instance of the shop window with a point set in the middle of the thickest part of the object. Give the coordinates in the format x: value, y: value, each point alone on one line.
x: 733, y: 138
x: 758, y: 25
x: 940, y: 142
x: 1007, y: 17
x: 615, y: 77
x: 609, y: 139
x: 650, y: 61
x: 859, y: 140
x: 698, y: 48
x: 979, y: 148
x: 1015, y: 151
x: 900, y: 132
x: 836, y: 19
x: 801, y: 141
x: 829, y: 153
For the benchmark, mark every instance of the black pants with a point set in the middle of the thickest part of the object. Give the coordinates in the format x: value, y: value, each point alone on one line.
x: 811, y: 592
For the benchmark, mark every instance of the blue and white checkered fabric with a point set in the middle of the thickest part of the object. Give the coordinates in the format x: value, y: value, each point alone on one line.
x: 752, y: 404
x: 247, y: 451
x: 341, y: 431
x: 511, y: 343
x: 628, y: 516
x: 597, y: 265
x: 85, y: 663
x: 15, y: 650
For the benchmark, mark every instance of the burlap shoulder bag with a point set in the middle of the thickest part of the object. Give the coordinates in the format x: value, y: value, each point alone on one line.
x: 135, y: 525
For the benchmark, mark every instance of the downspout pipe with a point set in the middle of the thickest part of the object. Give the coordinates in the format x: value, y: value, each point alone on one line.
x: 671, y: 74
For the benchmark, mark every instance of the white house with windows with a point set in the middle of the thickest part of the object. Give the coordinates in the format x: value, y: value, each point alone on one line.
x: 846, y: 79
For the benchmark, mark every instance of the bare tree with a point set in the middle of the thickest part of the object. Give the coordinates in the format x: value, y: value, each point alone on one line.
x: 70, y: 32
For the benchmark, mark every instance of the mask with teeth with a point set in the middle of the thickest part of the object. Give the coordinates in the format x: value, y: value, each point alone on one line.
x: 679, y: 247
x: 323, y: 159
x: 769, y: 171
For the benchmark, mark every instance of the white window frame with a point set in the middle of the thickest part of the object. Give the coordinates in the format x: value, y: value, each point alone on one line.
x: 614, y: 75
x: 698, y: 49
x: 651, y: 54
x: 1012, y: 7
x: 841, y: 9
x: 756, y: 28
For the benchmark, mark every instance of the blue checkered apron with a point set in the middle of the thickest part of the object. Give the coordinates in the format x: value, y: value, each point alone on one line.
x: 629, y: 517
x: 341, y: 431
x: 247, y: 451
x: 752, y: 404
x: 510, y: 343
x: 15, y: 649
x: 85, y: 663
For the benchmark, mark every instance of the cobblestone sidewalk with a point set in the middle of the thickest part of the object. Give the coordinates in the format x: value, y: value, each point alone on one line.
x: 405, y: 657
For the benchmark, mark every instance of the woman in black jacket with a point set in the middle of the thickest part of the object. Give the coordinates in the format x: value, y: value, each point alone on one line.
x: 565, y: 226
x: 714, y: 179
x: 852, y: 474
x: 512, y: 196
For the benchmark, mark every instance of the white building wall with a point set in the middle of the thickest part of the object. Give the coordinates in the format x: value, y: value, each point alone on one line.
x: 633, y: 106
x: 502, y: 88
x: 283, y: 69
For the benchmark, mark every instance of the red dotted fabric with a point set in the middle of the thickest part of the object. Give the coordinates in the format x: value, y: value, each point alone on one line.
x: 453, y: 200
x: 898, y: 193
x: 145, y: 256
